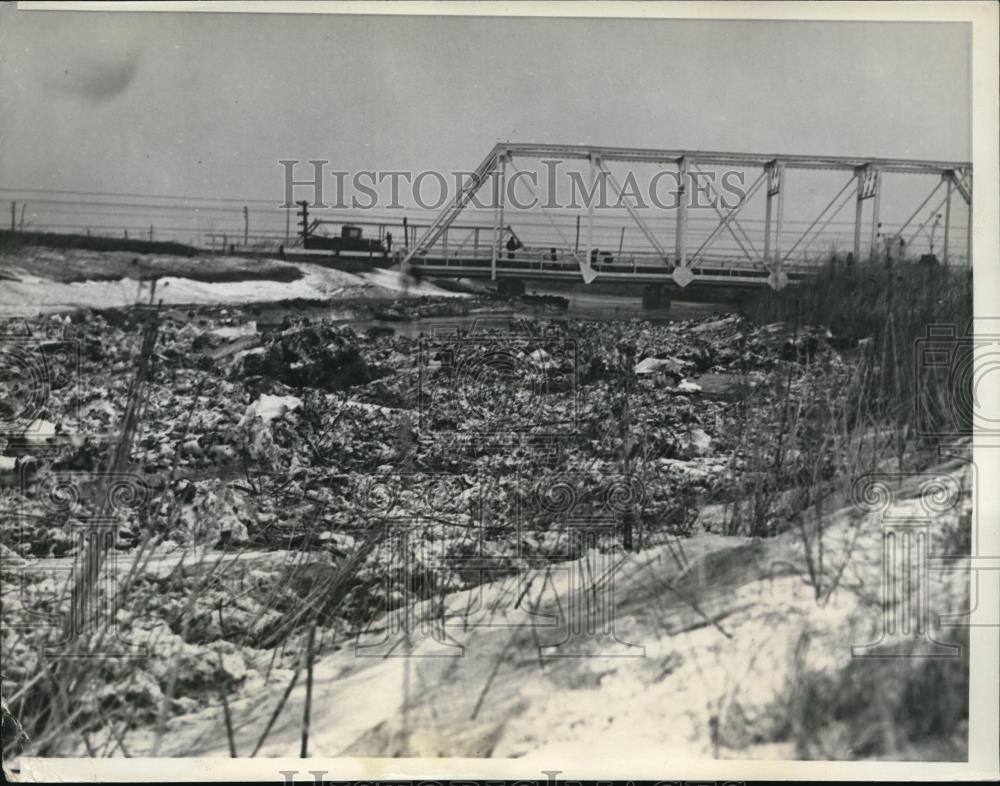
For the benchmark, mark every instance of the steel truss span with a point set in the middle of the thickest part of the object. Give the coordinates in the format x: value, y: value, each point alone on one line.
x: 767, y: 254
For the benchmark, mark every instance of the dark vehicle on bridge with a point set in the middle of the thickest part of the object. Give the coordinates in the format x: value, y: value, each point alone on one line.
x: 347, y: 249
x: 351, y: 241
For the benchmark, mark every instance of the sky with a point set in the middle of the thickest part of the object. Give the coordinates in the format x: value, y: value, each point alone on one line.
x: 206, y: 104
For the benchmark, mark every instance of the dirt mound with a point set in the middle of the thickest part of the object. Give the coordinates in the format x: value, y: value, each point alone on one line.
x: 315, y: 356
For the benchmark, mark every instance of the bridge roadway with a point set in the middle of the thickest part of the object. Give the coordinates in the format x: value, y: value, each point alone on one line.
x: 627, y: 269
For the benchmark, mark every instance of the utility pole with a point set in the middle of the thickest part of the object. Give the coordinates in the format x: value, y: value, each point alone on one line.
x: 304, y: 220
x: 627, y: 354
x: 20, y: 225
x: 150, y: 233
x: 13, y: 216
x: 246, y: 225
x: 288, y: 225
x: 86, y: 607
x: 934, y: 226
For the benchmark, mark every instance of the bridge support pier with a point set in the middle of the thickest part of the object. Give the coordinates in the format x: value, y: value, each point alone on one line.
x: 510, y: 287
x: 656, y: 296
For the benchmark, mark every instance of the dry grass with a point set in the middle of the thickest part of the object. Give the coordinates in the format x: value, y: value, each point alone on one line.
x: 806, y: 434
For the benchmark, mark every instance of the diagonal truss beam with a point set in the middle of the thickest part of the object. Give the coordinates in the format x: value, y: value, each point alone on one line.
x: 582, y: 259
x: 632, y: 212
x: 730, y: 216
x: 485, y: 169
x: 934, y: 213
x: 731, y: 225
x: 961, y: 187
x: 850, y: 182
x: 829, y: 219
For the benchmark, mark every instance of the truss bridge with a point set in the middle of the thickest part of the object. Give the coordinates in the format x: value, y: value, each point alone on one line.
x: 691, y: 217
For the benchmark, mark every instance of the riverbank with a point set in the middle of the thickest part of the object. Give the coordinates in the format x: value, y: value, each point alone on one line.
x: 294, y: 482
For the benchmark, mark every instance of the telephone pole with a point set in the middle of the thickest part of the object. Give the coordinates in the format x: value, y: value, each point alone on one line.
x: 246, y: 224
x: 627, y: 354
x: 304, y: 220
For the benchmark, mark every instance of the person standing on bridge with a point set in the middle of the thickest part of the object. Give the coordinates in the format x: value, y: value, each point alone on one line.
x: 513, y: 244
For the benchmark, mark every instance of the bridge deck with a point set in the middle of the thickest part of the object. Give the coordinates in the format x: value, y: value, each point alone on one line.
x: 628, y: 269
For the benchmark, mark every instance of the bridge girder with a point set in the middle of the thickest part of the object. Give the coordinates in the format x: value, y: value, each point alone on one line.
x: 865, y: 172
x: 665, y: 156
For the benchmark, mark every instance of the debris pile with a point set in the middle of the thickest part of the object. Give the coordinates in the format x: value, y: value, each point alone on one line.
x: 262, y: 439
x: 314, y: 356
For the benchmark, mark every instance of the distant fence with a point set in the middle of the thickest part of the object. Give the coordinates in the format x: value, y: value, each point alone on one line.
x: 10, y: 239
x: 252, y: 227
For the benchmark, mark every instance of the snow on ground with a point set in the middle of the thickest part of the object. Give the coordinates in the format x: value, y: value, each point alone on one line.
x: 32, y: 294
x: 396, y: 281
x: 701, y: 658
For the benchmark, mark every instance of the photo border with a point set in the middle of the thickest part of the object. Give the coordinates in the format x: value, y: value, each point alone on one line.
x: 984, y: 760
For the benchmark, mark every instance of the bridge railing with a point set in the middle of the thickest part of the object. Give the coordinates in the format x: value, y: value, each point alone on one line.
x: 568, y: 260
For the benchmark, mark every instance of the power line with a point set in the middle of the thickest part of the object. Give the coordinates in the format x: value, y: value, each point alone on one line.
x: 136, y: 196
x: 132, y: 205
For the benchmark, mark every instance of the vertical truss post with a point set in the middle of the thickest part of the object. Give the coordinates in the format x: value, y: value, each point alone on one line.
x: 968, y: 232
x: 950, y: 181
x: 775, y: 172
x: 767, y: 218
x: 590, y: 208
x: 779, y: 182
x: 498, y: 207
x: 682, y: 197
x: 859, y: 205
x: 868, y: 182
x: 777, y: 278
x: 682, y: 275
x: 876, y: 197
